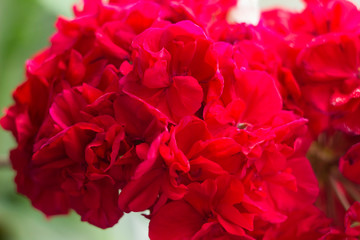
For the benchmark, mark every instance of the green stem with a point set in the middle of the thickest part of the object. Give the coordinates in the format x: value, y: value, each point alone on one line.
x: 4, y: 162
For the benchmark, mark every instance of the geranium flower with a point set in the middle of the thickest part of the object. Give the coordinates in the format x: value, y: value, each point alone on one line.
x: 166, y: 107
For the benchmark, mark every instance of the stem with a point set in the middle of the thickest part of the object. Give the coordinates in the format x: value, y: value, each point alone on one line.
x: 4, y: 162
x: 350, y: 187
x: 339, y: 193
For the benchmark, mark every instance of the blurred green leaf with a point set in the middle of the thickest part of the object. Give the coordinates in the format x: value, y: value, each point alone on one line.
x: 59, y: 7
x: 24, y: 29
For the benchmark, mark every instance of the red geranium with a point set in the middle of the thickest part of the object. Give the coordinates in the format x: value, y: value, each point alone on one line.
x: 164, y: 106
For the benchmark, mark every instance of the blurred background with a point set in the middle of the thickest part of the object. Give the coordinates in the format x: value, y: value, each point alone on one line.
x: 25, y: 27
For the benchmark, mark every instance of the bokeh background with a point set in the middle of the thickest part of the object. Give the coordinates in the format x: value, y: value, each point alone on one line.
x: 25, y: 27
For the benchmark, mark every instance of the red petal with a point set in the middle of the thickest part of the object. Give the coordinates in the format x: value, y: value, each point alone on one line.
x: 175, y: 221
x: 184, y: 96
x: 350, y: 165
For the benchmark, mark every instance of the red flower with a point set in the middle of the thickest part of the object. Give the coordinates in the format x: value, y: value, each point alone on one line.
x: 213, y: 202
x: 176, y: 10
x: 90, y: 148
x: 158, y: 178
x: 305, y: 224
x: 329, y: 82
x: 179, y: 56
x: 352, y: 220
x: 318, y: 18
x: 349, y: 163
x: 164, y: 106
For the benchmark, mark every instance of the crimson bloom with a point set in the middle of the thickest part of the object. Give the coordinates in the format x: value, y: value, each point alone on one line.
x: 165, y: 107
x: 179, y: 57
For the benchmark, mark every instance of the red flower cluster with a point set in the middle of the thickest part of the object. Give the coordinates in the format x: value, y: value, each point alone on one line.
x: 164, y: 106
